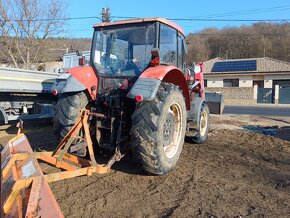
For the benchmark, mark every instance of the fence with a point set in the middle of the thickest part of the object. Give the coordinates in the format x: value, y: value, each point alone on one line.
x: 235, y: 95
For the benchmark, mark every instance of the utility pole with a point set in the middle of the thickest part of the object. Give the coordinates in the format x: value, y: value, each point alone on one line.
x: 106, y: 14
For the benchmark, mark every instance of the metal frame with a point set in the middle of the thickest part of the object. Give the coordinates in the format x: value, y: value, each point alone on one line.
x: 30, y: 190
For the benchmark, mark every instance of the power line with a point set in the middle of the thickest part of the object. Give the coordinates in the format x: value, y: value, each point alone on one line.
x: 244, y: 12
x: 173, y: 19
x: 229, y: 20
x: 216, y: 34
x: 53, y: 19
x: 239, y: 34
x: 215, y: 20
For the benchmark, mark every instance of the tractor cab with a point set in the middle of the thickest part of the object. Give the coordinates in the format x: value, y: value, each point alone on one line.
x: 125, y: 49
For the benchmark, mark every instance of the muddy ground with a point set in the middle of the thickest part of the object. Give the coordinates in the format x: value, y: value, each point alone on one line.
x: 243, y: 170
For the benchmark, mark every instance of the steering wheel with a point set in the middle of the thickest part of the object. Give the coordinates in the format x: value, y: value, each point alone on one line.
x: 130, y: 65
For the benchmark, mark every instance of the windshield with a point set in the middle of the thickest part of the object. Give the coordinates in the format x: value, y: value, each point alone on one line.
x: 123, y: 51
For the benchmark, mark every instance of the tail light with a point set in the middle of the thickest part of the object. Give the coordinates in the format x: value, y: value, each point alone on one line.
x: 82, y: 61
x: 139, y: 98
x: 54, y: 92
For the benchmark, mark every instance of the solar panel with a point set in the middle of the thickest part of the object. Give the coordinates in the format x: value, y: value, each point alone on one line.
x: 228, y: 66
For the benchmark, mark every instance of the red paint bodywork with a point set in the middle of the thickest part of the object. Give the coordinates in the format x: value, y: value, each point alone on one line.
x: 86, y: 76
x: 199, y: 77
x: 169, y: 74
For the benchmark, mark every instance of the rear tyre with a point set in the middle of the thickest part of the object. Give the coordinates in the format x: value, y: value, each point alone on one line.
x: 202, y: 132
x: 67, y: 110
x: 158, y: 130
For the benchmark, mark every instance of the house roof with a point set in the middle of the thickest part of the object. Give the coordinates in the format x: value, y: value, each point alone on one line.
x: 263, y: 65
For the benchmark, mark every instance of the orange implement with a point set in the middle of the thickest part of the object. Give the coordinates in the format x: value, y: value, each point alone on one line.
x: 25, y: 192
x: 24, y: 188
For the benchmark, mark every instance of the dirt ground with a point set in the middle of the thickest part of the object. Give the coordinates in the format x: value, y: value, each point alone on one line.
x: 243, y: 170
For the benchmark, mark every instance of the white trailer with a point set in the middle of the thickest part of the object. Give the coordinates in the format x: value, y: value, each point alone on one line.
x: 26, y: 94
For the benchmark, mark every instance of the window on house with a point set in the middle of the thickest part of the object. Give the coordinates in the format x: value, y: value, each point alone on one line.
x: 259, y: 83
x: 281, y: 83
x: 231, y: 82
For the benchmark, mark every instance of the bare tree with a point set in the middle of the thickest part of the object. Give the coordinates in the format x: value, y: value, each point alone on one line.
x: 24, y: 26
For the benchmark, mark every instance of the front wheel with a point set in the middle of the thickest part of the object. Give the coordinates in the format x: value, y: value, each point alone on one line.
x: 158, y: 130
x: 203, y: 126
x: 67, y: 111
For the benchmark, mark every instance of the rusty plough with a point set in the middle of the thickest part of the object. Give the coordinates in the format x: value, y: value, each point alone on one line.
x: 24, y: 187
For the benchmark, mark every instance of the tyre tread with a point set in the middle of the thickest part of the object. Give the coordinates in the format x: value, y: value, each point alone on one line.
x: 144, y: 130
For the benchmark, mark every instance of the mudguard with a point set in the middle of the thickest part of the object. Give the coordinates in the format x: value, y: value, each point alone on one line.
x: 194, y: 113
x: 146, y: 87
x: 67, y: 83
x: 3, y: 116
x: 77, y: 79
x: 148, y: 83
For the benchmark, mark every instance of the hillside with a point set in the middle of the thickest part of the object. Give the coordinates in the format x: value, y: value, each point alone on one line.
x: 53, y: 50
x: 259, y: 40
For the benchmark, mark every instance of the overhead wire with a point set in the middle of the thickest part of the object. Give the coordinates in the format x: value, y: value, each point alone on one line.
x: 205, y: 18
x: 172, y: 18
x: 245, y: 12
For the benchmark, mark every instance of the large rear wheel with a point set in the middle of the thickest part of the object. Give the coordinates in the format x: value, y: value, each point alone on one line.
x: 158, y: 130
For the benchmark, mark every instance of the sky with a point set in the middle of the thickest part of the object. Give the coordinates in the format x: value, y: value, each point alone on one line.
x: 205, y: 9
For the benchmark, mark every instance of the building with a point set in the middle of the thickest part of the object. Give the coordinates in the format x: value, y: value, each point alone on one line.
x: 249, y: 81
x: 264, y: 72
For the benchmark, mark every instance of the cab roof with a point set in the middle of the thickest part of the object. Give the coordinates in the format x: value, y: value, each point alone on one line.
x: 141, y: 20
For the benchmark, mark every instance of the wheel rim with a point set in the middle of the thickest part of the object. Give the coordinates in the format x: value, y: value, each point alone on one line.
x: 203, y: 123
x: 172, y: 130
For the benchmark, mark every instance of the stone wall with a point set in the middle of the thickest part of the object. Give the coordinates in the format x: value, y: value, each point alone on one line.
x: 238, y: 95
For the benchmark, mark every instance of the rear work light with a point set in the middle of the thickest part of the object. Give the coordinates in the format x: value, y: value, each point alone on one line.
x: 139, y: 98
x: 82, y: 61
x: 54, y: 92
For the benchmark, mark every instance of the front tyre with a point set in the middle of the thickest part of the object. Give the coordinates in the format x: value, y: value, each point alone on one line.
x: 158, y: 130
x: 67, y: 111
x: 203, y: 126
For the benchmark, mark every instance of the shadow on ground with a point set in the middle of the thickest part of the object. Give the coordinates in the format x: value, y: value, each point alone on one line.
x: 39, y: 133
x: 275, y: 131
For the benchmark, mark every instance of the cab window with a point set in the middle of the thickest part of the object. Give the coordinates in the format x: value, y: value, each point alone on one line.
x: 168, y: 45
x: 181, y: 52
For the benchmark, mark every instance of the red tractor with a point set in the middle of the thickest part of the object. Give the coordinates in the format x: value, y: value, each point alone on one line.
x: 144, y: 98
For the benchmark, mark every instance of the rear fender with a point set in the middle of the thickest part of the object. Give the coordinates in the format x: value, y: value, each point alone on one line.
x: 78, y: 79
x: 148, y: 83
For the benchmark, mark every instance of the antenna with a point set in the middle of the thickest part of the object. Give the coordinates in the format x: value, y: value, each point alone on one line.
x: 106, y: 14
